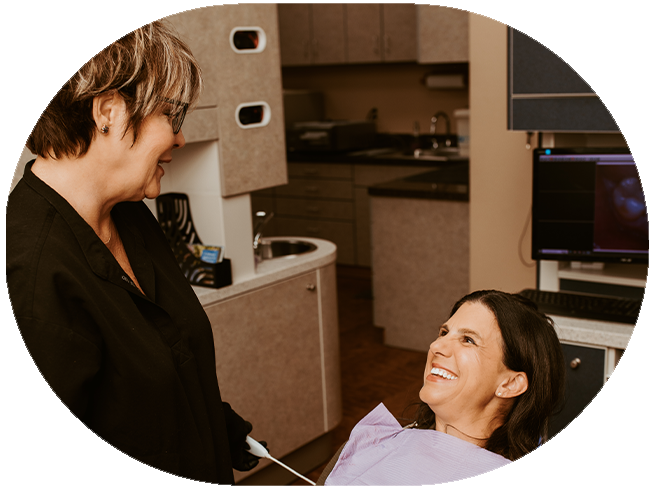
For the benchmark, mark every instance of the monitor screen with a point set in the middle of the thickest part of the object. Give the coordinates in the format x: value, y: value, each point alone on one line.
x: 588, y: 205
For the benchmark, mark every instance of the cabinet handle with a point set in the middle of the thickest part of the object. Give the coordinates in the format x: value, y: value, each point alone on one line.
x: 388, y: 45
x: 575, y: 363
x: 312, y: 229
x: 313, y: 210
x: 312, y: 189
x: 377, y: 44
x: 311, y: 171
x: 311, y: 287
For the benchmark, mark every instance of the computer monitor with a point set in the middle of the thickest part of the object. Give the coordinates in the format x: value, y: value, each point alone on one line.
x: 588, y: 205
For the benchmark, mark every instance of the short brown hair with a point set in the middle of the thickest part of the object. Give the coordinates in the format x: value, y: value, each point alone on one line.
x: 144, y: 67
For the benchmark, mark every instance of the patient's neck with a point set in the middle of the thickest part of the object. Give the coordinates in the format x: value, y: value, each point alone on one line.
x: 477, y: 432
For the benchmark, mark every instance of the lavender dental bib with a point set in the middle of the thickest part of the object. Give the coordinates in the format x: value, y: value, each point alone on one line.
x: 380, y: 452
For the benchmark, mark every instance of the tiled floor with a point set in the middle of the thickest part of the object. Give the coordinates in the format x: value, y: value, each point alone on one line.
x: 372, y: 373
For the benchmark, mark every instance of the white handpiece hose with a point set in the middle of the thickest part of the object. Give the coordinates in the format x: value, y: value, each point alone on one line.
x: 260, y: 451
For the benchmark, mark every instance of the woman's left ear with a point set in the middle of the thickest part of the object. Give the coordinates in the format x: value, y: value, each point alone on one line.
x: 513, y: 386
x: 106, y: 107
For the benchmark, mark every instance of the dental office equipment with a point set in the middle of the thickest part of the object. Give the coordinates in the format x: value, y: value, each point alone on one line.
x: 260, y: 451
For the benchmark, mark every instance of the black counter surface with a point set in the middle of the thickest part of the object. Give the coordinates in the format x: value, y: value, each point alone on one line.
x: 388, y: 149
x: 448, y: 182
x: 379, y: 156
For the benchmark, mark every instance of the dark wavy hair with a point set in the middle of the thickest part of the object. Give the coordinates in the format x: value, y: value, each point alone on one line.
x: 531, y: 346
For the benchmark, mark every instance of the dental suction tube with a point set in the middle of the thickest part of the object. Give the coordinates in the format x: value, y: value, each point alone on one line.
x: 260, y: 451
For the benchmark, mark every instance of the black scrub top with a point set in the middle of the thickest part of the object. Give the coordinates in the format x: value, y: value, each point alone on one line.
x: 138, y: 370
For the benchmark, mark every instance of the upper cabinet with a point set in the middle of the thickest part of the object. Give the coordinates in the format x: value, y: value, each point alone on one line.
x: 321, y: 34
x: 377, y: 33
x: 546, y: 94
x: 241, y: 106
x: 312, y: 34
x: 443, y: 34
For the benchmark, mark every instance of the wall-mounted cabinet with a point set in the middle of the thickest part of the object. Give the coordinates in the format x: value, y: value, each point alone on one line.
x: 312, y: 34
x: 251, y: 157
x: 546, y: 94
x: 443, y: 35
x: 377, y: 33
x: 322, y: 34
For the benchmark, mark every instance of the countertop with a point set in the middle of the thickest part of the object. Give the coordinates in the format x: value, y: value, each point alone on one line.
x: 450, y: 181
x: 375, y: 156
x: 387, y: 149
x: 272, y: 271
x: 593, y: 332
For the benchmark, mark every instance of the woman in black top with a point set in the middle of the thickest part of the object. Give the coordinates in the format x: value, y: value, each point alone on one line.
x: 107, y: 315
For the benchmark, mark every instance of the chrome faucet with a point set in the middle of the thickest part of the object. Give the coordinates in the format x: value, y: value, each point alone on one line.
x: 262, y: 219
x: 434, y: 122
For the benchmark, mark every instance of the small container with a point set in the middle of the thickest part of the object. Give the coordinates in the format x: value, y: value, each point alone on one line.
x: 462, y: 128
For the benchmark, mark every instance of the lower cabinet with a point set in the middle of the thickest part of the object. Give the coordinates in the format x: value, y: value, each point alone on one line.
x: 277, y: 359
x: 585, y: 376
x: 329, y: 201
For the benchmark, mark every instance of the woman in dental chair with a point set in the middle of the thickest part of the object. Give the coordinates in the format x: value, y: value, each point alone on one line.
x: 493, y: 377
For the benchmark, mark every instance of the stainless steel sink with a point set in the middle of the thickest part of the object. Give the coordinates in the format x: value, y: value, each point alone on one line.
x: 273, y: 249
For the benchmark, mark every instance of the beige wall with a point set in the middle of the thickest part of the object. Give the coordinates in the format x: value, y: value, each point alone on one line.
x: 350, y: 91
x: 500, y: 169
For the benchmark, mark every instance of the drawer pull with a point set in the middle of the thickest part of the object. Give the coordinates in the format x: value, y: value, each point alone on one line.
x: 311, y: 171
x: 310, y: 287
x: 312, y: 229
x: 253, y: 114
x: 312, y: 189
x: 575, y: 363
x: 247, y: 39
x: 313, y: 210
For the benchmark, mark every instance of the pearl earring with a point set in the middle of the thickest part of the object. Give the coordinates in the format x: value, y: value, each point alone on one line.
x: 499, y: 394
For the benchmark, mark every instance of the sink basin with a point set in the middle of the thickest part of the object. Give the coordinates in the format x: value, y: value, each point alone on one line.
x: 273, y: 249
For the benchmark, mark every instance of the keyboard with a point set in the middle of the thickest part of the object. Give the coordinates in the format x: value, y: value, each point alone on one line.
x: 576, y: 305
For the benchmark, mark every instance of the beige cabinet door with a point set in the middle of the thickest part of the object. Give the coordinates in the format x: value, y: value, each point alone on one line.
x: 363, y: 33
x: 328, y: 33
x: 312, y: 34
x: 277, y: 361
x: 253, y: 157
x: 443, y: 34
x: 197, y: 29
x: 295, y: 34
x: 250, y: 158
x: 399, y: 32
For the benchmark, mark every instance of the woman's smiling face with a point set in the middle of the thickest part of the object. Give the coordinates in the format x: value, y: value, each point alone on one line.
x: 464, y: 365
x: 139, y: 163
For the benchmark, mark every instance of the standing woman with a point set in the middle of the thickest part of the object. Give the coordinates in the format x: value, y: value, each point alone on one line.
x: 107, y: 315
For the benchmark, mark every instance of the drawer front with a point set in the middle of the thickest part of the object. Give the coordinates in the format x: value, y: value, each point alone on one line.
x: 340, y: 233
x: 329, y: 189
x: 585, y: 377
x: 321, y: 170
x: 315, y: 208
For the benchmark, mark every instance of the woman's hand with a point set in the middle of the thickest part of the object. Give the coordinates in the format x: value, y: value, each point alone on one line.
x: 241, y: 458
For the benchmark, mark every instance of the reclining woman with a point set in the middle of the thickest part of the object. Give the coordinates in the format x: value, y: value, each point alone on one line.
x: 493, y: 377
